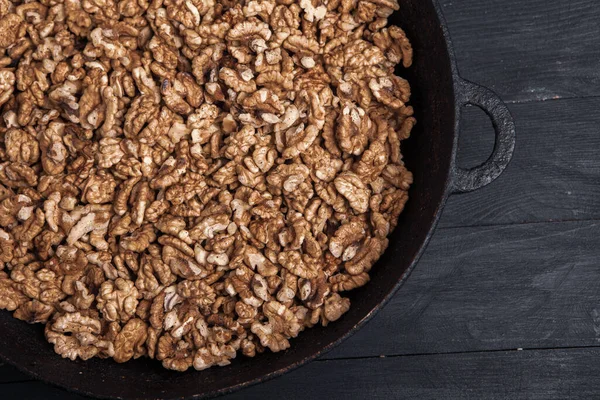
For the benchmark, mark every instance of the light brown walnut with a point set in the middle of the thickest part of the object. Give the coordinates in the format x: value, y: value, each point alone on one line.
x: 130, y: 341
x: 117, y: 301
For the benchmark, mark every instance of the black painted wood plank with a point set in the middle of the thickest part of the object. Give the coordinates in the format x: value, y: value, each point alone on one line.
x: 543, y: 375
x: 493, y: 288
x: 539, y: 374
x: 555, y: 172
x: 528, y: 50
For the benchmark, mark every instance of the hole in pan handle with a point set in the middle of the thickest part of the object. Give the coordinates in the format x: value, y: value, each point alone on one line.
x: 467, y: 180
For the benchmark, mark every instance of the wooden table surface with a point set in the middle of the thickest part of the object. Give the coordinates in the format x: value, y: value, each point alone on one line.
x: 506, y: 301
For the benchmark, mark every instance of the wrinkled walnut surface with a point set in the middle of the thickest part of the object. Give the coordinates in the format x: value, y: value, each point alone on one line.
x: 190, y: 180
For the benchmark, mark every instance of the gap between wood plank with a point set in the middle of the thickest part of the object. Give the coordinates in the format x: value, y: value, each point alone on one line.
x: 461, y: 352
x: 540, y: 349
x: 511, y: 45
x: 522, y: 223
x: 551, y: 177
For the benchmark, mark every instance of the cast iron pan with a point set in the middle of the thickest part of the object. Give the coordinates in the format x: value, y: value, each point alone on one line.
x: 438, y: 95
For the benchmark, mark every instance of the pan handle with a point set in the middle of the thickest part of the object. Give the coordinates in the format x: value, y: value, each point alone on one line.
x: 467, y: 180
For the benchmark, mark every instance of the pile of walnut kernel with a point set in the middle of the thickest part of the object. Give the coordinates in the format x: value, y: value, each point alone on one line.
x: 189, y: 179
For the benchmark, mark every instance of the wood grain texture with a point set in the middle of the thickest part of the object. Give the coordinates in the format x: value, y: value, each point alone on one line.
x: 500, y: 287
x: 532, y: 375
x: 554, y: 174
x: 543, y: 375
x: 528, y: 50
x: 540, y: 375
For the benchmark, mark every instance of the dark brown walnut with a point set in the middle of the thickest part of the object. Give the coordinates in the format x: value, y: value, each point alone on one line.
x: 190, y: 181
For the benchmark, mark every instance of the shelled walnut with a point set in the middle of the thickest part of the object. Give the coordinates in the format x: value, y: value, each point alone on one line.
x: 187, y: 181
